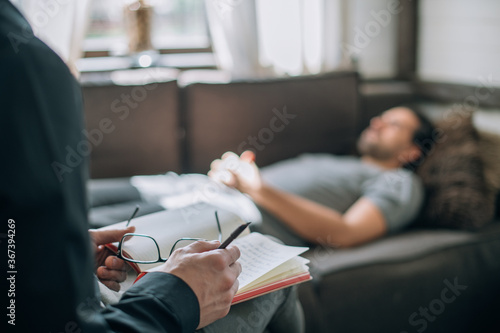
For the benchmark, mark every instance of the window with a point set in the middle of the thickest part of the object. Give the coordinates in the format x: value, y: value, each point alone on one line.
x: 177, y: 24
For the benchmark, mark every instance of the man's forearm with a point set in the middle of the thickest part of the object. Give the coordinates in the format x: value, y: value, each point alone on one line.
x: 314, y: 222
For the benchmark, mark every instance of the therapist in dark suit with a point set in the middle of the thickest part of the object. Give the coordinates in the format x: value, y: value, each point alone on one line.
x: 49, y: 285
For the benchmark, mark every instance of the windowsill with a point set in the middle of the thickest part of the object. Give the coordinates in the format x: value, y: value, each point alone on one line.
x: 181, y: 61
x: 118, y: 46
x: 386, y: 87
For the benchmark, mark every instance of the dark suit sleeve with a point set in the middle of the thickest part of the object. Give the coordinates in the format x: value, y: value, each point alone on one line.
x: 42, y: 191
x: 157, y: 300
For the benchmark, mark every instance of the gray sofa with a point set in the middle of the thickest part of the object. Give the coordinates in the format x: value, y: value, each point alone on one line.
x: 432, y: 280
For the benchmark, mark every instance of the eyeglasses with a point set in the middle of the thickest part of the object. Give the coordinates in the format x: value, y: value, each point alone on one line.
x: 144, y: 249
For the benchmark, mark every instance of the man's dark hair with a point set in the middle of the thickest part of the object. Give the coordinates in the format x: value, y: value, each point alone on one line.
x: 423, y: 136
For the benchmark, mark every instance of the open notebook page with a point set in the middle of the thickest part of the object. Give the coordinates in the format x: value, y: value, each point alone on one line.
x: 292, y: 267
x: 259, y: 255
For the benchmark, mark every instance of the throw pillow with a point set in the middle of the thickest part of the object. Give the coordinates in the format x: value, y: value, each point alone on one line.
x: 458, y: 195
x: 490, y: 151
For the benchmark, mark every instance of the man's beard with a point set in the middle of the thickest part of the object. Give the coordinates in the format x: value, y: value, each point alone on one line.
x: 373, y: 150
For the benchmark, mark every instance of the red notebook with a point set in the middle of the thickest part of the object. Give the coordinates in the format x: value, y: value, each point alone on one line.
x: 273, y: 286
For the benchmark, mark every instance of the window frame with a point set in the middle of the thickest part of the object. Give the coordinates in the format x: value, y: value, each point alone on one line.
x: 90, y: 51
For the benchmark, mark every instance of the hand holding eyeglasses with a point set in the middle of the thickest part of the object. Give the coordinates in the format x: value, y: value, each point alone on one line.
x: 110, y: 270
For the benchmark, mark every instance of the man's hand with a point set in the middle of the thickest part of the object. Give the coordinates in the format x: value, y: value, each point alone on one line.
x: 110, y: 270
x: 239, y: 172
x: 211, y: 273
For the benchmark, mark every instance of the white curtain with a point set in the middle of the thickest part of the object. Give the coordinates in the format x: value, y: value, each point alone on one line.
x: 233, y: 28
x: 61, y: 24
x: 256, y: 38
x: 370, y: 36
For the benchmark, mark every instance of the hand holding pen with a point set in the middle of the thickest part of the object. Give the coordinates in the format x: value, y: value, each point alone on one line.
x: 234, y: 235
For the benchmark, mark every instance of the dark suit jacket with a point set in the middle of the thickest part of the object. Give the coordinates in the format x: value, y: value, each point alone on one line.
x: 43, y: 199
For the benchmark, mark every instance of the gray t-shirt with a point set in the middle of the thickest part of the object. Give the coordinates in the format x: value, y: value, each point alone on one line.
x: 338, y: 182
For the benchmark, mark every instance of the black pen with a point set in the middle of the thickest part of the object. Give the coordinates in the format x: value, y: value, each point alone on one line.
x: 133, y: 215
x: 234, y: 234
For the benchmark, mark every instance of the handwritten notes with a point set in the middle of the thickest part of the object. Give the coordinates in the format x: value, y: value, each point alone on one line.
x: 259, y: 255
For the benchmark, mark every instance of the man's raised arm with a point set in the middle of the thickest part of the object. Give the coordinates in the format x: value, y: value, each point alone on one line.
x: 316, y: 223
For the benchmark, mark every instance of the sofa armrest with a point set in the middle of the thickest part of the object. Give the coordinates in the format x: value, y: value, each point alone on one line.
x: 383, y: 286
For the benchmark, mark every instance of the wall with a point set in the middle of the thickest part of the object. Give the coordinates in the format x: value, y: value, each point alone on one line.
x: 459, y: 42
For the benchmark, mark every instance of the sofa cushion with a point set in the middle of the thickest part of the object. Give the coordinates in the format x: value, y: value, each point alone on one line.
x: 458, y: 195
x: 132, y: 122
x: 277, y: 118
x: 113, y: 200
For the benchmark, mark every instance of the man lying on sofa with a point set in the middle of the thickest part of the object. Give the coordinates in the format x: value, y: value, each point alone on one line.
x: 339, y: 201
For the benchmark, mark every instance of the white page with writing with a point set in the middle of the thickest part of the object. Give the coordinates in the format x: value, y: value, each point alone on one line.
x: 259, y: 255
x: 296, y: 265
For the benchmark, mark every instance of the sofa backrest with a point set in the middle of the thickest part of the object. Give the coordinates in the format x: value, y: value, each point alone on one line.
x: 277, y: 119
x: 133, y: 123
